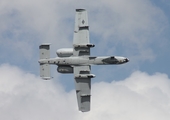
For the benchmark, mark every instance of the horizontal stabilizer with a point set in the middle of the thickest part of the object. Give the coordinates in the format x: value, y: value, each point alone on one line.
x: 44, y: 51
x: 45, y: 71
x: 44, y: 67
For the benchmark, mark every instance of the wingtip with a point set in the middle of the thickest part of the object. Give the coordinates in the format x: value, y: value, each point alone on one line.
x: 46, y: 78
x: 80, y: 10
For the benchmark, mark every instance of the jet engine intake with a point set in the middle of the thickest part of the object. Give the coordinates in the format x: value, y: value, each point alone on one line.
x: 65, y: 52
x: 65, y: 69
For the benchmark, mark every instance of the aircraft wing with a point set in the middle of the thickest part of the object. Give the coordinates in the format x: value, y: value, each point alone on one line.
x: 81, y: 47
x: 81, y: 42
x: 82, y: 78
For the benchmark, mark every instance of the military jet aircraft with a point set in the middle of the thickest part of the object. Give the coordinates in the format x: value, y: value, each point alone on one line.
x: 77, y: 60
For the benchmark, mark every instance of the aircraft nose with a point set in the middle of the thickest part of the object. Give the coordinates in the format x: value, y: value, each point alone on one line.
x: 126, y: 60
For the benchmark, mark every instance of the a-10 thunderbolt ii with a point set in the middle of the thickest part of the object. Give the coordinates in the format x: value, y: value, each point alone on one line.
x: 77, y: 60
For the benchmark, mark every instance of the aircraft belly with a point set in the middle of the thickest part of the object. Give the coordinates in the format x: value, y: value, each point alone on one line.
x: 96, y: 60
x: 79, y: 61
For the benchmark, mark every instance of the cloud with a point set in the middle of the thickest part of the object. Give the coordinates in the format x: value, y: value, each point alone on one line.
x: 25, y: 96
x: 130, y: 25
x: 134, y: 25
x: 141, y: 96
x: 126, y: 28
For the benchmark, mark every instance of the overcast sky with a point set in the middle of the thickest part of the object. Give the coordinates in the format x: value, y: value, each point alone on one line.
x: 137, y: 29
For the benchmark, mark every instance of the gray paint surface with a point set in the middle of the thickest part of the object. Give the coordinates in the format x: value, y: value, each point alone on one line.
x: 77, y: 60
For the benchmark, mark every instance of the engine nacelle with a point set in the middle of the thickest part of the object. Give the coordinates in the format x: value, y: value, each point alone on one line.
x: 65, y: 69
x: 65, y: 52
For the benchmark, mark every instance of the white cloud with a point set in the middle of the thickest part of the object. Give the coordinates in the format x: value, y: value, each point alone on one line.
x: 134, y: 24
x: 127, y: 28
x: 25, y: 96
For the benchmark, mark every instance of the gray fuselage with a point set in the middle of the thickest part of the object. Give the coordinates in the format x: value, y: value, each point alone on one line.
x: 85, y: 60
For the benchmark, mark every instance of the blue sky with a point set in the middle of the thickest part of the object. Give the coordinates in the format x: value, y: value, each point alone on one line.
x: 138, y: 30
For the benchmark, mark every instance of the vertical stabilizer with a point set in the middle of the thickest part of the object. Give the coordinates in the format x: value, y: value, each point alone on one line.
x: 44, y: 67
